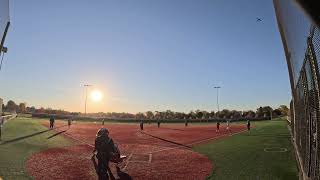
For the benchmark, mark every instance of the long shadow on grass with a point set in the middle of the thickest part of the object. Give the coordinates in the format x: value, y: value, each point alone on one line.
x: 28, y: 136
x: 56, y: 134
x: 172, y: 142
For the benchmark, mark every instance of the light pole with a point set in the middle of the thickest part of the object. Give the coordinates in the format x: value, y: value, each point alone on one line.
x: 85, y: 104
x: 217, y: 87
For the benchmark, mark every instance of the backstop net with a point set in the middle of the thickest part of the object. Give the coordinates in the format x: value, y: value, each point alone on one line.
x: 4, y: 21
x: 301, y: 42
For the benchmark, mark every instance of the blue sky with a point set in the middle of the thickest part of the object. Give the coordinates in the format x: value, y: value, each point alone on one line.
x: 145, y: 54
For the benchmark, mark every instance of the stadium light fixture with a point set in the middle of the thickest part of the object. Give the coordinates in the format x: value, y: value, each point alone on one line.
x: 85, y: 104
x: 217, y: 88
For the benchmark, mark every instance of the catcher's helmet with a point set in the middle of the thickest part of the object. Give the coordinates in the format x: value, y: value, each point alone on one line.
x: 102, y: 132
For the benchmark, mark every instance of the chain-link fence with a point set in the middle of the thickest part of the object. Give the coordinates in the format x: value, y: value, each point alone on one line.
x: 301, y: 41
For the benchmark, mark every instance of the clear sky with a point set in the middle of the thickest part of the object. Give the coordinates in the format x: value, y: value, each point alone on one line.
x: 145, y: 54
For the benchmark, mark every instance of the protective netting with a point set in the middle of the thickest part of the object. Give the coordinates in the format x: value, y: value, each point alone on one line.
x: 4, y: 15
x: 301, y: 40
x: 4, y: 19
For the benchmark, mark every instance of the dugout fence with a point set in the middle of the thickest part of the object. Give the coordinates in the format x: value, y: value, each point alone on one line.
x: 301, y: 42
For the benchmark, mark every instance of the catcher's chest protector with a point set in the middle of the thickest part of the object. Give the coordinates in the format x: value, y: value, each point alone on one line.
x: 103, y: 145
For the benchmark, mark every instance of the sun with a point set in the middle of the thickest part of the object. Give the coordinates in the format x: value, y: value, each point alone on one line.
x: 96, y: 95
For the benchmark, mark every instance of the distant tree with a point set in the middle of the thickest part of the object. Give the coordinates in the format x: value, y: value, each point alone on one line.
x: 212, y: 114
x: 149, y: 114
x: 276, y: 112
x: 225, y: 113
x: 157, y: 115
x: 169, y: 114
x: 179, y: 115
x: 11, y: 106
x: 140, y: 116
x: 41, y: 110
x: 259, y: 112
x: 206, y: 114
x: 284, y: 110
x: 235, y: 114
x: 31, y: 109
x: 4, y: 108
x: 199, y: 114
x: 162, y: 115
x: 22, y: 107
x: 192, y: 115
x: 267, y: 110
x: 250, y: 114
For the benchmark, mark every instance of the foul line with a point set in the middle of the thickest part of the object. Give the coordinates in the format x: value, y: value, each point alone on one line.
x: 197, y: 142
x: 279, y: 149
x: 90, y: 145
x: 166, y: 149
x: 127, y: 163
x: 81, y: 141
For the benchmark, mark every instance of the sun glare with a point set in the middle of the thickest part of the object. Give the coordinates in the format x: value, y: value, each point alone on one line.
x: 96, y: 95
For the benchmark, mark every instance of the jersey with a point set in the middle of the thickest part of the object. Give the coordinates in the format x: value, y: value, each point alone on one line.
x: 104, y: 147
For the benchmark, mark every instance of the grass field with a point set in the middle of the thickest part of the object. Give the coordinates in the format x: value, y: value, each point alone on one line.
x: 240, y: 156
x: 19, y: 141
x: 243, y: 157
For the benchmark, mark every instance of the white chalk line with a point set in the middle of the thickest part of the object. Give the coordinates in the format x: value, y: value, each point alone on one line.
x: 278, y: 149
x: 161, y: 150
x: 127, y: 163
x: 81, y: 141
x: 85, y: 143
x: 197, y: 142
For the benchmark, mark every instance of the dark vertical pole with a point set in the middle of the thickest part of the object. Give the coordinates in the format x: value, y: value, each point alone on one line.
x: 217, y: 87
x: 85, y: 104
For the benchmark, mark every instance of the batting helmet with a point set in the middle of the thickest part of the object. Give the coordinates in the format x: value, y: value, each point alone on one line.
x: 102, y: 132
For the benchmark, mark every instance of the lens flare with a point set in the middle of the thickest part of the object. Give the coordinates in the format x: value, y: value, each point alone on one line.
x: 96, y: 95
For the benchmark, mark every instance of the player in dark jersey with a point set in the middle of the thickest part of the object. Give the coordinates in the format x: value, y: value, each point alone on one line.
x: 105, y: 151
x: 249, y: 126
x: 51, y: 122
x: 69, y: 122
x: 218, y: 126
x: 141, y: 125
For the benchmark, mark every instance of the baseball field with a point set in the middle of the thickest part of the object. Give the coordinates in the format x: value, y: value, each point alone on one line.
x: 29, y: 150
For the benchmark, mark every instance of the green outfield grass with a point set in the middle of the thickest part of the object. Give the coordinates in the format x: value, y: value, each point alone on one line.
x: 242, y: 156
x: 19, y: 141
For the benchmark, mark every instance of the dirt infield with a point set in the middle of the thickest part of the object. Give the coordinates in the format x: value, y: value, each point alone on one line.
x: 155, y: 153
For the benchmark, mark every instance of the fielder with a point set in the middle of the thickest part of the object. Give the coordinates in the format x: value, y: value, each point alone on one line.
x: 228, y: 126
x: 51, y: 122
x: 69, y: 122
x: 141, y: 125
x: 249, y: 126
x: 218, y: 126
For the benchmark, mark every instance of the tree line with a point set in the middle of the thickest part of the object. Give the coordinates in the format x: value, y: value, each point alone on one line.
x: 265, y: 111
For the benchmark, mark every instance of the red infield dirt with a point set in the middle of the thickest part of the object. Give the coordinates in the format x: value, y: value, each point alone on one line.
x: 154, y: 153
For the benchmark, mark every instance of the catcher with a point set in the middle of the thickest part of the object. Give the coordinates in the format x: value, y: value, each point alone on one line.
x: 105, y: 150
